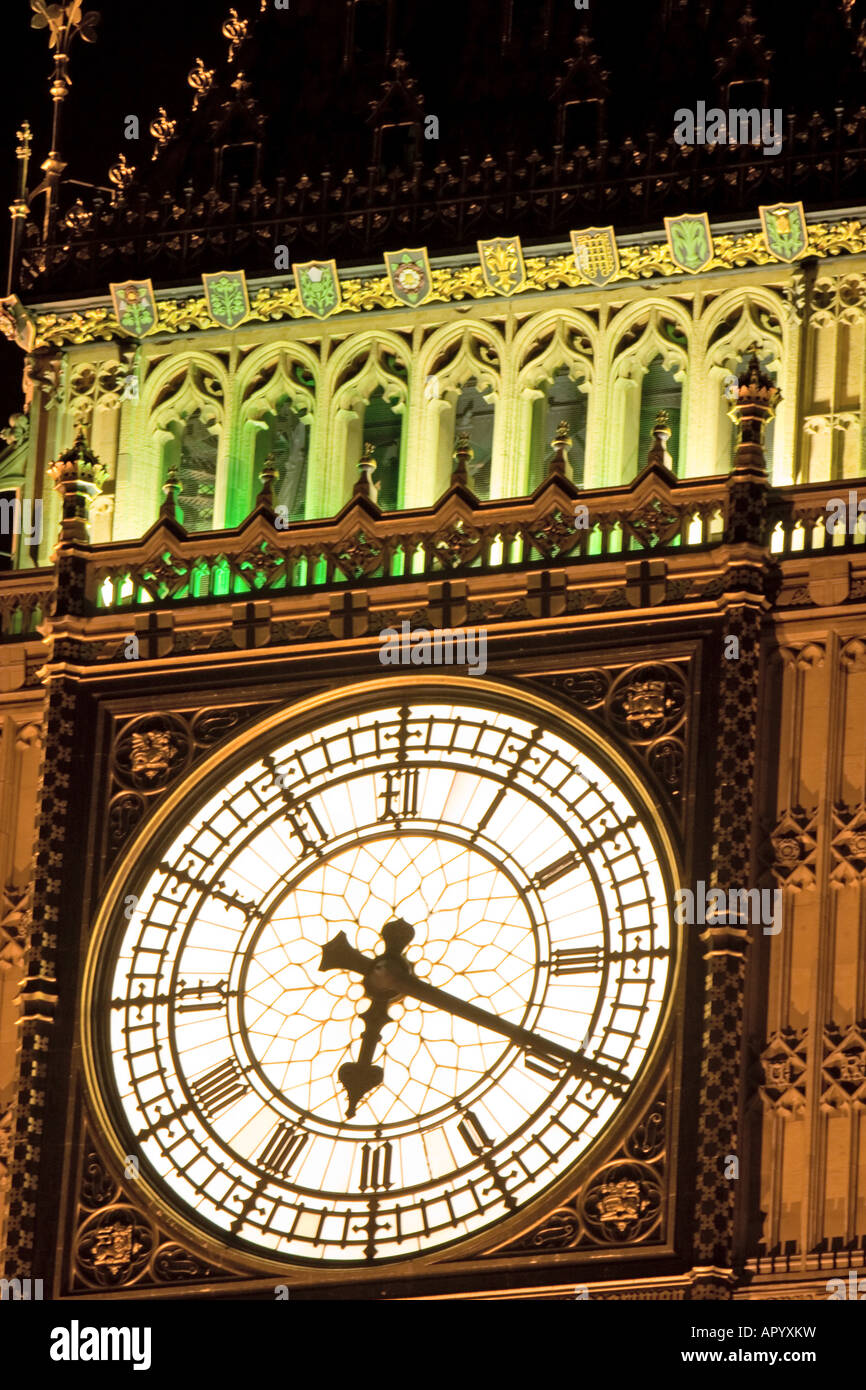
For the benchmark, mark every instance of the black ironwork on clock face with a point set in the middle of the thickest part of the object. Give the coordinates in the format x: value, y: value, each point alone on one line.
x: 389, y: 983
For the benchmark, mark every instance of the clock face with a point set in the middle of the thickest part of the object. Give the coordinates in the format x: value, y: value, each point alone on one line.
x: 385, y: 981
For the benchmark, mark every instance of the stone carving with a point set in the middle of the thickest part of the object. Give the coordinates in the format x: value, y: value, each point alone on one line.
x: 647, y: 701
x: 848, y: 846
x: 151, y: 751
x: 622, y: 1203
x: 843, y: 1071
x: 782, y: 1070
x: 792, y: 848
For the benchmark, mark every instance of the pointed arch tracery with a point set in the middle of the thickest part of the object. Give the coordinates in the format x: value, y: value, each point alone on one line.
x: 551, y: 379
x: 460, y: 376
x: 369, y: 385
x: 725, y: 335
x: 277, y: 391
x: 649, y: 349
x: 183, y: 411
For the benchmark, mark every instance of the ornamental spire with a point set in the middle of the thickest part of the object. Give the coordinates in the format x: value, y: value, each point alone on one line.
x: 78, y: 477
x: 560, y: 444
x: 65, y: 22
x: 753, y: 406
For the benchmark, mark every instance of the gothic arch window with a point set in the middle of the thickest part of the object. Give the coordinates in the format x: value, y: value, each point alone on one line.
x: 369, y: 396
x: 461, y: 370
x: 649, y: 367
x: 563, y: 403
x: 741, y: 325
x: 186, y: 422
x: 277, y: 418
x: 193, y: 452
x: 285, y: 441
x: 383, y: 429
x: 473, y: 415
x: 554, y: 371
x: 661, y: 391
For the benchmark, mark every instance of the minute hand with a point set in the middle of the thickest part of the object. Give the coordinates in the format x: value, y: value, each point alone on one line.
x: 441, y: 999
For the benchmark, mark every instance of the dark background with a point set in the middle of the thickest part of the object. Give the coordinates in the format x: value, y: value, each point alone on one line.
x: 490, y: 97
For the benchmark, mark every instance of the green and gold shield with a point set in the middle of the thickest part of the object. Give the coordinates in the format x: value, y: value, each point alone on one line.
x: 502, y: 264
x: 690, y: 241
x: 318, y: 287
x: 784, y: 228
x: 227, y: 298
x: 135, y: 307
x: 595, y: 254
x: 409, y: 275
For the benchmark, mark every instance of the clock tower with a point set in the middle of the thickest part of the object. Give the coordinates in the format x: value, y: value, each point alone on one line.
x: 433, y: 651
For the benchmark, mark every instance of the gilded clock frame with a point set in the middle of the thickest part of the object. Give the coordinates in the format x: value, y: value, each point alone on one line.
x: 219, y: 765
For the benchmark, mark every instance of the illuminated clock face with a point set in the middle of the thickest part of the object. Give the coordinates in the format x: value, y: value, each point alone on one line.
x: 385, y: 986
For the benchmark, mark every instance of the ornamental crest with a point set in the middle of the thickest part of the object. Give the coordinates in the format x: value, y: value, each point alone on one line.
x: 784, y: 228
x: 595, y: 254
x: 228, y: 300
x: 409, y: 275
x: 502, y: 264
x: 690, y: 241
x: 318, y: 287
x: 134, y: 307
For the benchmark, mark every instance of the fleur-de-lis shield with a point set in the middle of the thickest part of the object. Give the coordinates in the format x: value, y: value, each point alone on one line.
x: 502, y: 264
x: 785, y: 232
x: 318, y: 287
x: 135, y: 307
x: 690, y: 241
x: 595, y: 254
x: 409, y: 275
x: 228, y: 300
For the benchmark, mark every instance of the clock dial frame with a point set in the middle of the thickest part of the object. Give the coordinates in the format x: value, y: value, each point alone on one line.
x: 538, y: 880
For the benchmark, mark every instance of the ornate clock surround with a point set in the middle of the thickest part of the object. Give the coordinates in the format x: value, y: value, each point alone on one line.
x: 215, y: 769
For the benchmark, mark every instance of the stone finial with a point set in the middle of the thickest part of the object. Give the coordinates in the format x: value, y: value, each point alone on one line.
x: 753, y: 405
x: 658, y: 451
x: 171, y: 487
x: 78, y: 478
x: 268, y: 476
x: 560, y: 444
x: 365, y: 487
x: 462, y: 456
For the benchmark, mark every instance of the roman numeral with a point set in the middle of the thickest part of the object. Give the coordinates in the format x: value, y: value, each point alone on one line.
x: 400, y: 797
x: 552, y: 1067
x: 282, y: 1149
x: 221, y: 1086
x: 375, y: 1166
x: 551, y: 873
x: 201, y: 996
x: 577, y: 960
x: 472, y: 1133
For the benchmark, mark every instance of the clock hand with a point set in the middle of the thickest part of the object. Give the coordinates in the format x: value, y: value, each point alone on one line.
x: 394, y: 978
x: 582, y: 1066
x: 357, y: 1078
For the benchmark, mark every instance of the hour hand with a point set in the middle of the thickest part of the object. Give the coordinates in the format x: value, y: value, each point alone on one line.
x: 357, y: 1078
x: 339, y: 955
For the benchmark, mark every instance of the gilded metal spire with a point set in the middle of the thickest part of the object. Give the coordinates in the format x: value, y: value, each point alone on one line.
x: 65, y: 22
x: 19, y: 207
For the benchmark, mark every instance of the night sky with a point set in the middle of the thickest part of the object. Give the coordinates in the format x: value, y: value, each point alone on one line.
x: 139, y: 62
x: 486, y: 101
